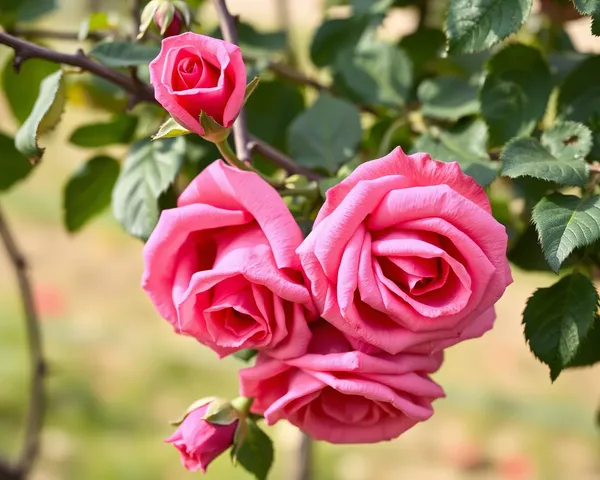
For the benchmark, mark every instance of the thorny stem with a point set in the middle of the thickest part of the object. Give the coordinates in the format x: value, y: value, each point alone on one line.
x: 37, y: 395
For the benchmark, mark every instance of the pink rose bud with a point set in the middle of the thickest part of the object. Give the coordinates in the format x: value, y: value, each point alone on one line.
x: 194, y: 73
x: 173, y: 26
x: 199, y: 441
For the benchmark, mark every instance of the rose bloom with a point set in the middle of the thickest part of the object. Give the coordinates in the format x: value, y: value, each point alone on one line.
x: 221, y: 266
x: 340, y: 395
x: 195, y: 73
x: 200, y: 442
x: 405, y: 254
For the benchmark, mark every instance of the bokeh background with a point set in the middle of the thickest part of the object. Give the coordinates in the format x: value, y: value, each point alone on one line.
x: 118, y: 374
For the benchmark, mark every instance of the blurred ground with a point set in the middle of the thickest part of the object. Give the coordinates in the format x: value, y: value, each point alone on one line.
x: 118, y: 374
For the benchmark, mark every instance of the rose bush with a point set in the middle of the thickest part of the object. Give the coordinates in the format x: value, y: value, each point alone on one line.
x: 195, y: 73
x: 340, y: 395
x: 405, y: 254
x: 221, y: 266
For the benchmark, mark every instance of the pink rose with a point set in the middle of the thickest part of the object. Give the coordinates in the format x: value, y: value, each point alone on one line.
x: 221, y: 267
x: 337, y: 394
x: 194, y: 73
x: 200, y: 442
x: 405, y: 254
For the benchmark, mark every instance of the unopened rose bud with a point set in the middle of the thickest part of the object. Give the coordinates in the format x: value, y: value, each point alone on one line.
x: 169, y: 25
x: 201, y: 440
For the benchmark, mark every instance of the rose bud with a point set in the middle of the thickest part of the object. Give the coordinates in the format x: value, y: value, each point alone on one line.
x: 169, y: 26
x: 199, y: 440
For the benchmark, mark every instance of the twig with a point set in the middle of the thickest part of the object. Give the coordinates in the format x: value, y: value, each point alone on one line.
x: 229, y: 31
x: 37, y: 394
x: 303, y: 470
x: 280, y: 159
x: 57, y: 35
x: 25, y: 50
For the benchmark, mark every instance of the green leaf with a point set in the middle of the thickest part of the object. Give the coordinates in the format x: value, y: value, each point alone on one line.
x: 21, y: 89
x: 475, y: 25
x: 371, y: 6
x: 464, y: 143
x: 515, y: 92
x: 579, y: 97
x: 558, y: 158
x: 527, y: 254
x: 170, y: 129
x: 13, y: 165
x: 88, y: 191
x: 558, y: 319
x: 119, y: 129
x: 124, y: 54
x: 588, y: 352
x: 587, y: 7
x: 448, y: 98
x: 149, y: 169
x: 335, y: 35
x: 255, y: 453
x: 44, y: 116
x: 564, y: 223
x: 30, y: 10
x: 245, y: 355
x: 326, y: 135
x: 423, y: 47
x: 378, y: 73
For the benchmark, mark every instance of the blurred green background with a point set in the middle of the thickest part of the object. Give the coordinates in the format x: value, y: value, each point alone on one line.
x: 118, y: 374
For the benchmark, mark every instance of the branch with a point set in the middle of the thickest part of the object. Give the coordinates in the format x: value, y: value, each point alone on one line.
x: 229, y: 31
x: 25, y: 50
x: 37, y: 394
x: 281, y: 159
x: 57, y: 35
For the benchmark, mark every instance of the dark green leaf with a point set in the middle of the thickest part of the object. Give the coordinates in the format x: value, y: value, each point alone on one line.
x: 558, y: 158
x: 475, y: 25
x: 527, y: 252
x: 124, y: 54
x: 119, y: 129
x: 149, y: 169
x: 44, y: 116
x: 13, y: 165
x: 325, y: 135
x: 423, y: 47
x: 245, y: 355
x: 21, y: 89
x: 335, y: 35
x: 515, y: 92
x: 558, y: 319
x: 564, y: 223
x: 464, y: 143
x: 587, y: 7
x: 448, y: 98
x: 88, y: 191
x: 371, y: 6
x: 579, y: 98
x: 255, y: 453
x: 378, y: 73
x: 30, y: 10
x: 588, y: 352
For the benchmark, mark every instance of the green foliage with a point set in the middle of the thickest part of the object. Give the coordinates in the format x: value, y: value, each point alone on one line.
x: 558, y: 157
x: 564, y: 223
x: 334, y: 36
x: 448, y: 98
x: 377, y: 73
x: 124, y: 54
x: 44, y: 116
x: 558, y: 319
x: 21, y: 89
x: 88, y: 191
x: 464, y: 143
x: 326, y: 135
x: 13, y: 165
x: 149, y: 169
x: 119, y: 129
x: 515, y: 92
x: 475, y: 25
x: 255, y: 453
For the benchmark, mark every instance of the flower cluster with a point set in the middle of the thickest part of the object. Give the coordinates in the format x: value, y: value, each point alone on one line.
x: 403, y: 261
